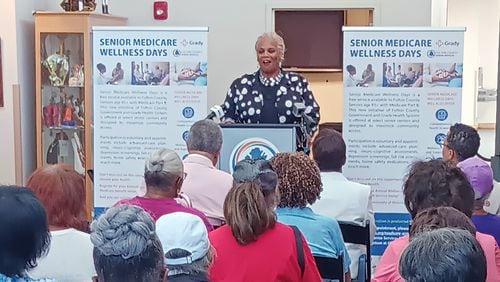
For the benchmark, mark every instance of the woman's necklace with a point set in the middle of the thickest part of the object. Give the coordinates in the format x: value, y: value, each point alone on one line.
x: 271, y: 81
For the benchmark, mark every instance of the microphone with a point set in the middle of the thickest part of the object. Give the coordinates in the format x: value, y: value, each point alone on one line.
x: 298, y: 110
x: 217, y: 111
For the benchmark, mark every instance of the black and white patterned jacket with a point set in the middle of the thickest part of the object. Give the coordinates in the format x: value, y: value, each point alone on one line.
x: 244, y: 100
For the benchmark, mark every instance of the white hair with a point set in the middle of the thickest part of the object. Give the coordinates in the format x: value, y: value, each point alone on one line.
x: 123, y: 231
x: 206, y: 136
x: 276, y: 39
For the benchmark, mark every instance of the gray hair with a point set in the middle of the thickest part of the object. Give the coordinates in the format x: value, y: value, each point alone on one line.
x: 199, y: 266
x: 277, y: 39
x: 247, y: 170
x: 126, y: 247
x: 206, y: 136
x: 445, y: 254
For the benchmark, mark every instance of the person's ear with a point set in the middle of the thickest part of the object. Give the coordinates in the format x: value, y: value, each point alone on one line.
x: 178, y: 183
x: 216, y: 158
x: 165, y: 274
x: 451, y: 154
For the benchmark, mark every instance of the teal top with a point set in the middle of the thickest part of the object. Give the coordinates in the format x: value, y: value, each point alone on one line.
x: 322, y: 233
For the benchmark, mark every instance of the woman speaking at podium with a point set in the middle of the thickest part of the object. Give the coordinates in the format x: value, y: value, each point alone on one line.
x: 272, y: 95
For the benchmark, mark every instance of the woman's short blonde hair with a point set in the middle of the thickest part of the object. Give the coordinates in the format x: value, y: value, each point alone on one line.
x: 276, y: 39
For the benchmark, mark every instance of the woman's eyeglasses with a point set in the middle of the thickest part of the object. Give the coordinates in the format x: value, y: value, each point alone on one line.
x: 442, y: 145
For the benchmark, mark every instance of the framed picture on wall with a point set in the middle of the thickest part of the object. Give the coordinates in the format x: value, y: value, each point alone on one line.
x: 1, y: 80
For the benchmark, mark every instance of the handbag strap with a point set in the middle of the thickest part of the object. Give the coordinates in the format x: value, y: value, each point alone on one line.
x: 300, y: 249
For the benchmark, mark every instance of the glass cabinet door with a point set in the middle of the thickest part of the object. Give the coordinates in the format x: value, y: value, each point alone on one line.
x: 63, y: 96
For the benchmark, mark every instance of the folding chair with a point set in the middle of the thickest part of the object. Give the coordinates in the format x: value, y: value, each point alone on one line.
x: 356, y: 234
x: 330, y: 268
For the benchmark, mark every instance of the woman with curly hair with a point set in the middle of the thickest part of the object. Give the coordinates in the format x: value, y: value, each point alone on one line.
x: 299, y: 184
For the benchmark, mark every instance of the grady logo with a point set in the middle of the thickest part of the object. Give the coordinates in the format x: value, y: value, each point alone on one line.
x: 440, y: 43
x: 186, y: 42
x: 252, y: 148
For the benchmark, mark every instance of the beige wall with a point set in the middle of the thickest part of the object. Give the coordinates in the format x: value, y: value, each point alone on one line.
x: 327, y: 89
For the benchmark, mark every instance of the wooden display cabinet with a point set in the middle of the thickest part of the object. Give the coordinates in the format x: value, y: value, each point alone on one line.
x: 63, y: 66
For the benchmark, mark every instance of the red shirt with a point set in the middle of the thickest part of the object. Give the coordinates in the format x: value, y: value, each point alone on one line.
x: 157, y: 207
x: 273, y: 257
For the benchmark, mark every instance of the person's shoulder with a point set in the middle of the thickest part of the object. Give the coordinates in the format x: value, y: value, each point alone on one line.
x: 397, y: 245
x: 126, y: 201
x: 224, y: 174
x: 220, y: 234
x: 489, y: 217
x: 281, y: 228
x: 325, y: 221
x: 193, y: 211
x: 357, y: 185
x: 494, y: 217
x: 346, y: 184
x: 246, y: 79
x: 72, y: 233
x: 485, y: 240
x: 294, y: 77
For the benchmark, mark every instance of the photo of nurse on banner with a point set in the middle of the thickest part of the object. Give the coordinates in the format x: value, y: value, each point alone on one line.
x: 352, y: 77
x: 102, y: 76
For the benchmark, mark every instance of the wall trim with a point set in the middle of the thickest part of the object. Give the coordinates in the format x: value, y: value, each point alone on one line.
x: 320, y: 5
x: 18, y: 150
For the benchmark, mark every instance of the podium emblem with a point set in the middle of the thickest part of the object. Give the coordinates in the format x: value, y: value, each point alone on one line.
x: 252, y: 148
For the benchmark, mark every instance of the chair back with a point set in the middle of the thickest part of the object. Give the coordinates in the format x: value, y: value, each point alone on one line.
x: 357, y: 234
x: 330, y: 268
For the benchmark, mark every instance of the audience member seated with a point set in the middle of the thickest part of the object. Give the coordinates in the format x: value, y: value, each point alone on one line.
x: 444, y: 254
x: 206, y: 185
x: 440, y: 217
x: 62, y: 192
x: 24, y: 236
x: 461, y: 142
x: 480, y: 177
x: 184, y: 239
x: 492, y: 204
x: 247, y: 170
x: 341, y: 199
x: 163, y: 174
x: 252, y: 246
x: 435, y: 183
x: 126, y: 246
x: 299, y: 183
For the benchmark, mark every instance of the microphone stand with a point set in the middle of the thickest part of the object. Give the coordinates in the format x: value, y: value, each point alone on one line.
x: 305, y: 123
